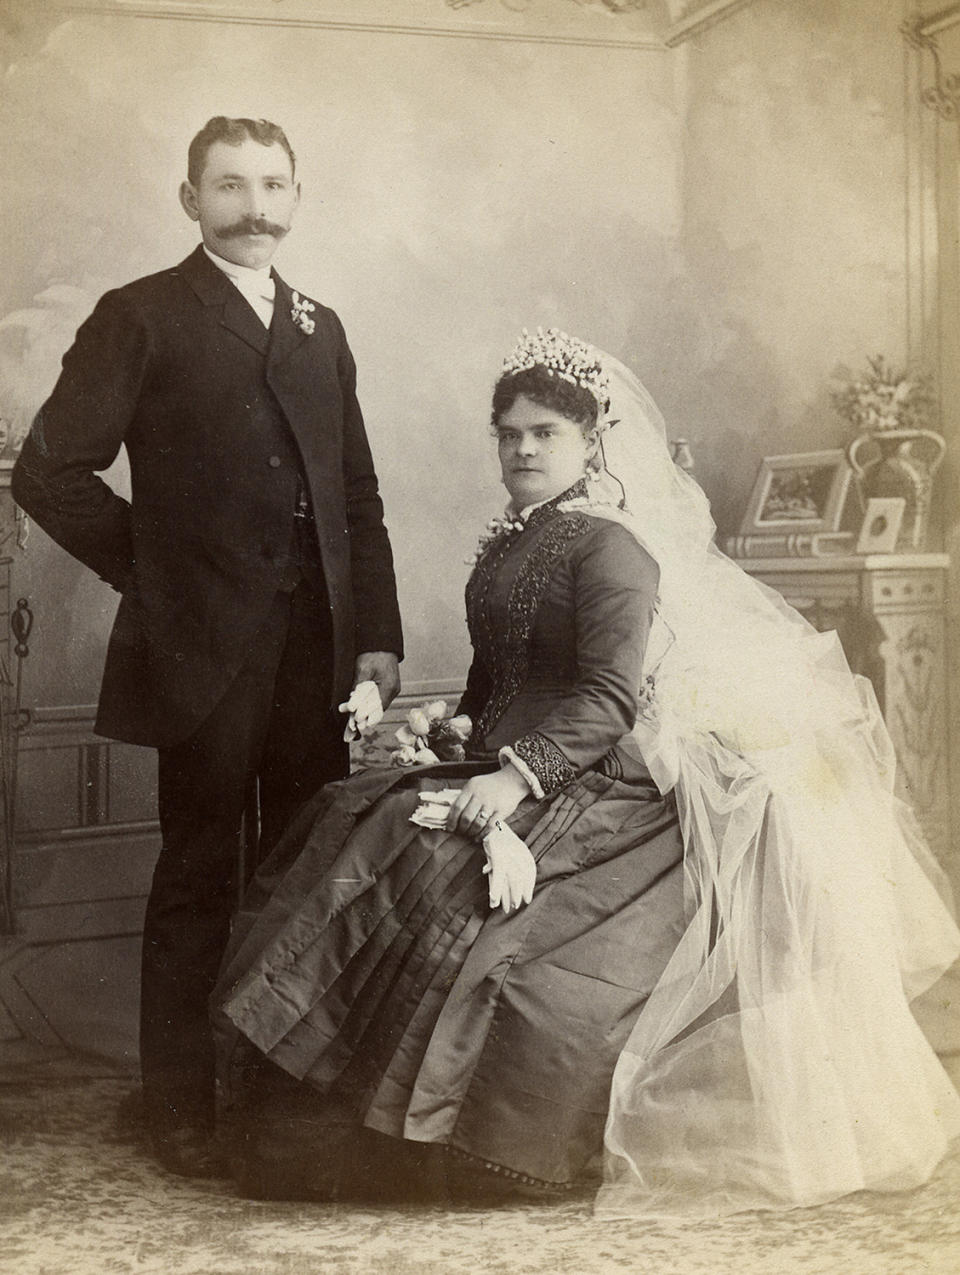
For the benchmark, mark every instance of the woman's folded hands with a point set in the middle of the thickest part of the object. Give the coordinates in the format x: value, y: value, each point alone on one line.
x: 484, y: 799
x: 511, y: 868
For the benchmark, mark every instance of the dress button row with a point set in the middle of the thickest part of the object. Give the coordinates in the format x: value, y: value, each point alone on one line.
x: 274, y: 462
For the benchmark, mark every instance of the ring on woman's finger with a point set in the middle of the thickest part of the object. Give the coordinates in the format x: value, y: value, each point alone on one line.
x: 483, y: 814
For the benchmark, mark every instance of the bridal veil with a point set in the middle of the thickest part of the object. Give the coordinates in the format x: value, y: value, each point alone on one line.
x: 777, y: 1062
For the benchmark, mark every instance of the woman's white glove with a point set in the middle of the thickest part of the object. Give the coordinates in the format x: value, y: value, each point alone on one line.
x: 511, y: 867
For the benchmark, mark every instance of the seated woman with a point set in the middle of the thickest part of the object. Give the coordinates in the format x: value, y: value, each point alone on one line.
x: 711, y: 973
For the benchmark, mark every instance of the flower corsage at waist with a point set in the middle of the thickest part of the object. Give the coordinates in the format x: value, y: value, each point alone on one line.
x: 429, y: 736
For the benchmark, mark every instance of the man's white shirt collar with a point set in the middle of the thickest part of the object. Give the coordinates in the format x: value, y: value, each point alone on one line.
x: 257, y: 286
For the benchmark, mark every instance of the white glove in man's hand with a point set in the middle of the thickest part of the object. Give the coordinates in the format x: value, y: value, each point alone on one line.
x: 511, y: 866
x: 382, y: 667
x: 365, y: 710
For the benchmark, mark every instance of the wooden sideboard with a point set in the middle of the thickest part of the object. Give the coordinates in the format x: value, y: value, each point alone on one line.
x: 890, y: 613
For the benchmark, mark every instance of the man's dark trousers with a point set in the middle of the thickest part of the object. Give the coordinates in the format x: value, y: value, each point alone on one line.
x: 274, y: 724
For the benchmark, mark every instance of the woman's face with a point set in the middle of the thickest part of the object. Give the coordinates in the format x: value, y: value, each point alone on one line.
x: 541, y: 452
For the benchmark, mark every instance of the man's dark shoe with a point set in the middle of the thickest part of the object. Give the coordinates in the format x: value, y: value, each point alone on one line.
x: 189, y: 1152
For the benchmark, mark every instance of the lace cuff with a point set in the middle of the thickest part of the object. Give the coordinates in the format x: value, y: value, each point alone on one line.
x: 509, y: 758
x: 545, y: 760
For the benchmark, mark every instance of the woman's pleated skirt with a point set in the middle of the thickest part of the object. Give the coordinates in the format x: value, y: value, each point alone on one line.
x: 369, y: 984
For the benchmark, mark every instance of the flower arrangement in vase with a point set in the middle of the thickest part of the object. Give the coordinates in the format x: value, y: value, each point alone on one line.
x: 894, y: 453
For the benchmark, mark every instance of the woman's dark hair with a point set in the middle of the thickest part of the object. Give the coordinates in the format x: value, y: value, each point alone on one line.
x: 541, y: 386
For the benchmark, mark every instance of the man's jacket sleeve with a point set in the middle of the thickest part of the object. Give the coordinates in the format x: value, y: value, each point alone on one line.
x: 78, y: 432
x: 371, y: 560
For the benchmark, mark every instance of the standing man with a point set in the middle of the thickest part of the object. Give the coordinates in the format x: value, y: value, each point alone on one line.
x: 255, y: 571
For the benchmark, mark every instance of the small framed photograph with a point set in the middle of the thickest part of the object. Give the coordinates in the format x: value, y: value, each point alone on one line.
x: 881, y: 524
x: 804, y: 492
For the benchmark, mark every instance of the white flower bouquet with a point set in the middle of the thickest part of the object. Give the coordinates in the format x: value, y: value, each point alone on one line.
x: 429, y: 736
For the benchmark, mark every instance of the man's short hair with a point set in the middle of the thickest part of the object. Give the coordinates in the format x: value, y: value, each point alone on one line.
x: 234, y: 132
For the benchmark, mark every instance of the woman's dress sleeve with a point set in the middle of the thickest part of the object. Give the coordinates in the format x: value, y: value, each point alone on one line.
x: 477, y: 690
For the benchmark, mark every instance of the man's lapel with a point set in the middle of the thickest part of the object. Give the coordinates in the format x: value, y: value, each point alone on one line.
x: 286, y: 336
x: 306, y: 387
x: 214, y: 288
x: 240, y: 317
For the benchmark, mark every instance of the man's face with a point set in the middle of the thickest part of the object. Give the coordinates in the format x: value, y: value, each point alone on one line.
x: 244, y: 201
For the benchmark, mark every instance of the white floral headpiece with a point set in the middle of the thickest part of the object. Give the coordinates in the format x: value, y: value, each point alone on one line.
x: 565, y: 356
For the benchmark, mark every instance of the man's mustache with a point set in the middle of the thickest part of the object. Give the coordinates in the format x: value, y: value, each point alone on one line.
x: 253, y: 226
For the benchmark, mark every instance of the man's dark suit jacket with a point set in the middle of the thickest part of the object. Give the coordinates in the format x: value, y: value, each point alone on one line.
x: 219, y: 417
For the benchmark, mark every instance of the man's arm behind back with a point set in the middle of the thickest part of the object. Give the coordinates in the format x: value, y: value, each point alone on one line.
x: 79, y: 431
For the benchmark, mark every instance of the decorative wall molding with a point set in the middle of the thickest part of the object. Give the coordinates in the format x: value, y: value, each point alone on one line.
x: 697, y: 18
x: 47, y: 718
x: 941, y: 20
x: 603, y: 24
x: 522, y: 6
x: 921, y: 215
x: 943, y: 95
x: 933, y: 154
x: 76, y: 785
x: 626, y: 24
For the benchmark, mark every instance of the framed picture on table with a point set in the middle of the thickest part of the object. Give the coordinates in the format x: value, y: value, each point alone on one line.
x: 881, y: 524
x: 800, y: 492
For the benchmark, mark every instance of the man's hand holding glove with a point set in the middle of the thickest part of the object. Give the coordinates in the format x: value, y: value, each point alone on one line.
x: 377, y: 681
x: 364, y: 709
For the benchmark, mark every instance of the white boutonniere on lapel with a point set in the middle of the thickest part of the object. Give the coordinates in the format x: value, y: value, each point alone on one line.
x: 301, y: 314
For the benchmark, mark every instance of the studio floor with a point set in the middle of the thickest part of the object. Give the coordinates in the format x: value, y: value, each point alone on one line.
x: 79, y: 1195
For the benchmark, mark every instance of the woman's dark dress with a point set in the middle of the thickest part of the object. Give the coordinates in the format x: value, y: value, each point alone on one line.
x: 367, y: 963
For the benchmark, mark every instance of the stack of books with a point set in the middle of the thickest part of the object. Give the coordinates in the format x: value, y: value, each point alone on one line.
x: 792, y: 544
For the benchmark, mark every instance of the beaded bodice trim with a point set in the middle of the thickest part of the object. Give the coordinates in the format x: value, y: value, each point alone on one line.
x: 505, y: 649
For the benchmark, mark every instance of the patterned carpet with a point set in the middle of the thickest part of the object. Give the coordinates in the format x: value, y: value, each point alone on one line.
x: 78, y: 1196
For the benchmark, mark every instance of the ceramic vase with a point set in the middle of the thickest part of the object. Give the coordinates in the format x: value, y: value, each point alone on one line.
x: 900, y: 462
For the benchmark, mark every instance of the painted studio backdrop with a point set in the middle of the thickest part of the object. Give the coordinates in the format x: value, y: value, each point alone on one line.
x: 738, y: 199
